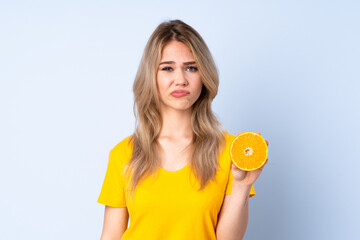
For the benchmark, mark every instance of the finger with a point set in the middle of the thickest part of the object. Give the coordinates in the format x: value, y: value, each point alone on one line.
x: 267, y: 142
x: 239, y: 132
x: 258, y: 133
x: 236, y: 168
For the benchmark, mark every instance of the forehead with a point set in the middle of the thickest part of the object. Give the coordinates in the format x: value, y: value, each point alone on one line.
x: 175, y: 50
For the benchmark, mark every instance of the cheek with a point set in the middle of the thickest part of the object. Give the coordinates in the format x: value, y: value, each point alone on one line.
x: 199, y: 86
x: 162, y: 86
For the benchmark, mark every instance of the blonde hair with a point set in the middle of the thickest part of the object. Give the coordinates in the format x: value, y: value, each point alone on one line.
x: 208, y: 138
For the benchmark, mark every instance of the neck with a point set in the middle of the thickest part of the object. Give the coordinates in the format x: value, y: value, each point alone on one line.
x: 176, y: 124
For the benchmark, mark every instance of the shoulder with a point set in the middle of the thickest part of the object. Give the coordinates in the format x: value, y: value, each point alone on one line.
x: 229, y: 138
x: 225, y: 152
x: 124, y: 144
x: 123, y: 149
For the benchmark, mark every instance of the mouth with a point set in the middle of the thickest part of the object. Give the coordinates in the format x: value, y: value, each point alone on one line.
x: 178, y: 93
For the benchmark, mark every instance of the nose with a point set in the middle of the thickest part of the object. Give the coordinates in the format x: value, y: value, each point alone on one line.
x: 180, y: 78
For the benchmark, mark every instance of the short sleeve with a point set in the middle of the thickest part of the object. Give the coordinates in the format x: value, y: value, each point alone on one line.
x: 229, y: 186
x: 112, y: 191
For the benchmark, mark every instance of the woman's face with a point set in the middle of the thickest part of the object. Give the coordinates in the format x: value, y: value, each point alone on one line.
x: 178, y: 71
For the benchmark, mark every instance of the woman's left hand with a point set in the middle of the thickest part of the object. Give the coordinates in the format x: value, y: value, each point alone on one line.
x: 247, y: 177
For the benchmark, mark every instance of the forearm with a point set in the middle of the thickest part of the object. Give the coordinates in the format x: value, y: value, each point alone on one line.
x: 233, y: 222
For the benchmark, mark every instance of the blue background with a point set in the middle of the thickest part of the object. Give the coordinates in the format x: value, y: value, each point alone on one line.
x: 288, y: 69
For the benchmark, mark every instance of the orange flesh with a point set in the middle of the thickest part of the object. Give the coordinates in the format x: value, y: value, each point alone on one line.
x: 248, y: 151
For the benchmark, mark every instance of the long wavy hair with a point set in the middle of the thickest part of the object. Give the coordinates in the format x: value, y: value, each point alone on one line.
x: 208, y: 132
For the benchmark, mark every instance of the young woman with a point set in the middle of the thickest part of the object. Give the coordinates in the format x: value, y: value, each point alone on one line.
x: 173, y: 176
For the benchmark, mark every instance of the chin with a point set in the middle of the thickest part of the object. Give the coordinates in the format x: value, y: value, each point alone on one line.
x: 181, y: 108
x: 184, y: 106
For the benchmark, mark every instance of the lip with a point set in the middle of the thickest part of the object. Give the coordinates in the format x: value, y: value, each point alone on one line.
x: 179, y: 93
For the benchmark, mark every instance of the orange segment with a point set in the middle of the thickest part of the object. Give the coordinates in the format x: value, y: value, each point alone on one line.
x: 248, y: 151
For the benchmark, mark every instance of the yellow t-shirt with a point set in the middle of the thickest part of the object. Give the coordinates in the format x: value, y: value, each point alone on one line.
x: 168, y: 206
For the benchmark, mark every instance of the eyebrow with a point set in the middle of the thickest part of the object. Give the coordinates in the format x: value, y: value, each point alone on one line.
x: 171, y: 62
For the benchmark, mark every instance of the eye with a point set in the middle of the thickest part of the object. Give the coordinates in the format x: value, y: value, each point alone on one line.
x: 194, y: 69
x: 165, y: 68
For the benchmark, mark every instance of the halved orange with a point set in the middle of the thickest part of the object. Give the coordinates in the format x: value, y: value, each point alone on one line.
x: 248, y: 151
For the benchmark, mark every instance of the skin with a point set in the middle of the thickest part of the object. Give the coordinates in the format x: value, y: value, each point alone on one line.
x: 176, y: 132
x: 177, y: 75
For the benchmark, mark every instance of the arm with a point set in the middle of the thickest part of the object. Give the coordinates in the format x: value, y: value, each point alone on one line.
x: 115, y: 223
x: 233, y: 216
